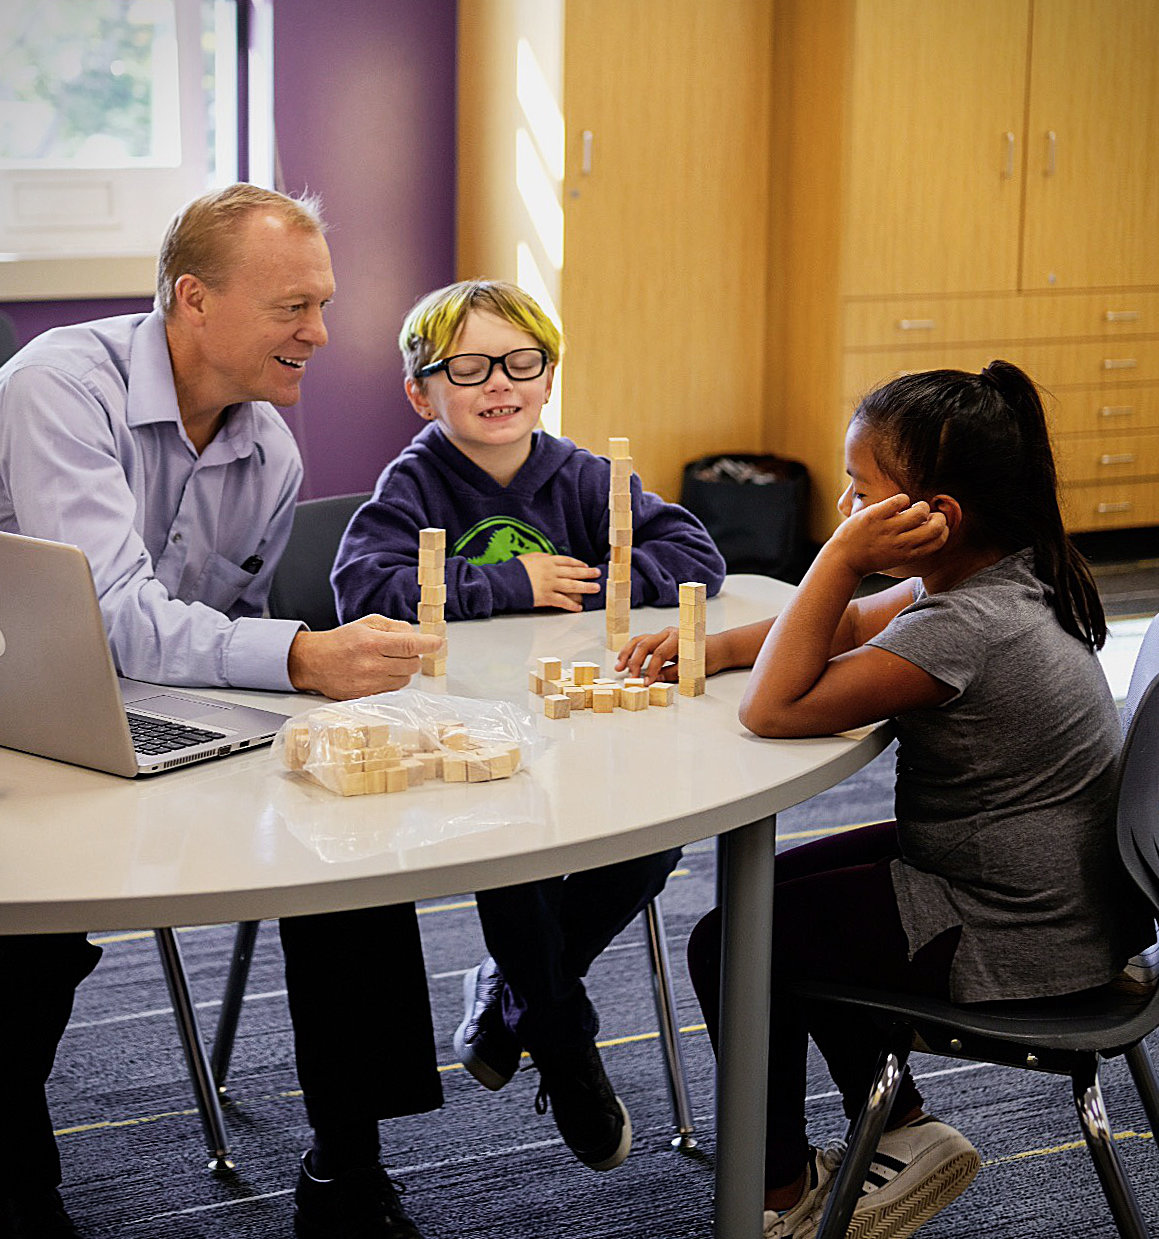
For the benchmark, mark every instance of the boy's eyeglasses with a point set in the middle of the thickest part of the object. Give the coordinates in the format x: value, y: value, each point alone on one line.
x: 471, y: 369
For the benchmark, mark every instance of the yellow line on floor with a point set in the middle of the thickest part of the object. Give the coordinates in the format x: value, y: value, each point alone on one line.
x: 1068, y: 1147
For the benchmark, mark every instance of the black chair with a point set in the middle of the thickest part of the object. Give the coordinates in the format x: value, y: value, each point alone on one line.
x: 1061, y: 1036
x: 301, y: 590
x: 8, y: 344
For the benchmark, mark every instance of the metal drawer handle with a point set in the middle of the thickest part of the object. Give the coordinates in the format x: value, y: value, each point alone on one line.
x: 1104, y: 508
x: 1122, y: 316
x: 1117, y: 410
x: 917, y: 324
x: 1119, y: 363
x: 1124, y: 458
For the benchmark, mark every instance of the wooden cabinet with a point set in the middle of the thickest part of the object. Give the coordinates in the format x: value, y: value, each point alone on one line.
x: 960, y: 181
x: 614, y: 160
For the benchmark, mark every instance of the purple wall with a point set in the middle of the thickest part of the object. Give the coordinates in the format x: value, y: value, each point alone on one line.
x: 364, y: 103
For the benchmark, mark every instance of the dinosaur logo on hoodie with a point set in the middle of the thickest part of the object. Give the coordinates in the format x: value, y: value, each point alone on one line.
x: 500, y: 538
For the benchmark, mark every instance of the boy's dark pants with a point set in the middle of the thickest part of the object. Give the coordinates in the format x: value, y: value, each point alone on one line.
x: 358, y: 1001
x: 545, y: 936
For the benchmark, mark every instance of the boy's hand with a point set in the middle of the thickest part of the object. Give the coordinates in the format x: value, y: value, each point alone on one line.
x: 559, y: 581
x: 372, y: 655
x: 888, y: 535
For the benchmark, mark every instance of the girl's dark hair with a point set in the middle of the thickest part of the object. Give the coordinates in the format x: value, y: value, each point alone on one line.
x: 982, y: 438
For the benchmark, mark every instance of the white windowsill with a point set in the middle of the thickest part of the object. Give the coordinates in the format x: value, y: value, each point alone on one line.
x: 73, y: 278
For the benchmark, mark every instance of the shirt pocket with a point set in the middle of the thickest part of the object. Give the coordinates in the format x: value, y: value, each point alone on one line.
x: 222, y: 583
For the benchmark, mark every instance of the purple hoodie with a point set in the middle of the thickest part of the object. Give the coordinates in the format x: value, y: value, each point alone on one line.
x: 557, y: 503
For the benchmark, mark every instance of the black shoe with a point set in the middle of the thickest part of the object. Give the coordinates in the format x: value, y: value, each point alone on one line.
x: 592, y: 1120
x: 358, y: 1204
x: 37, y: 1215
x: 488, y: 1048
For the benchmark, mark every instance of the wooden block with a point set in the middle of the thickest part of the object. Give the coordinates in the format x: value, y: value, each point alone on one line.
x: 620, y: 537
x: 621, y: 555
x: 501, y: 764
x: 416, y: 771
x: 575, y: 695
x: 478, y: 769
x: 621, y: 468
x: 351, y: 760
x: 556, y: 705
x: 382, y: 757
x: 549, y: 668
x: 587, y: 691
x: 375, y: 782
x: 432, y: 763
x: 454, y: 768
x: 619, y: 574
x: 433, y: 595
x: 691, y: 686
x: 690, y: 648
x: 348, y: 782
x: 378, y: 733
x: 456, y: 737
x: 603, y: 699
x: 693, y: 591
x: 432, y: 539
x: 634, y: 697
x: 661, y: 693
x: 585, y: 673
x: 436, y: 628
x: 614, y: 685
x: 296, y: 746
x: 534, y: 684
x: 430, y: 613
x: 618, y: 449
x: 617, y: 640
x: 341, y: 736
x: 432, y: 664
x: 433, y: 574
x: 633, y: 681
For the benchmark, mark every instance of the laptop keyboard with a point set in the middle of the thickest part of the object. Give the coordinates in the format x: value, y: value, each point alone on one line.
x: 153, y: 736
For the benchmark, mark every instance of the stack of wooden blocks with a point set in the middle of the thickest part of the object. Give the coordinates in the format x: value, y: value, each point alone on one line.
x: 690, y: 665
x: 433, y: 594
x: 619, y: 586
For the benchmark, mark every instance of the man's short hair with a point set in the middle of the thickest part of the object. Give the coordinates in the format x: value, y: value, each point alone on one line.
x: 430, y: 329
x: 201, y: 238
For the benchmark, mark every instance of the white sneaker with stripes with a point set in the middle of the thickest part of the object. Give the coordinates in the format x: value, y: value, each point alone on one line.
x: 800, y: 1222
x: 915, y: 1173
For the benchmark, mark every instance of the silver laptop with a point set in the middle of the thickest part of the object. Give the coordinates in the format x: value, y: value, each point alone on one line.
x: 60, y: 696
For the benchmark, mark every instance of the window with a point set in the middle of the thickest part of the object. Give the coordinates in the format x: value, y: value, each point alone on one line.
x: 112, y: 114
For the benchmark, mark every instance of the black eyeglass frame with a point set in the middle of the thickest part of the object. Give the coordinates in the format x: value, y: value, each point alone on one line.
x: 435, y: 366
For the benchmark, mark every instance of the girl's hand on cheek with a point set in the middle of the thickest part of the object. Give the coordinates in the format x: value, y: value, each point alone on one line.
x: 889, y: 534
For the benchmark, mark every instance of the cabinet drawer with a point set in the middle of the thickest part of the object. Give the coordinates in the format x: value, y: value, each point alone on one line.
x: 1110, y: 505
x: 1093, y: 458
x: 1012, y: 316
x: 1103, y: 411
x: 1064, y: 364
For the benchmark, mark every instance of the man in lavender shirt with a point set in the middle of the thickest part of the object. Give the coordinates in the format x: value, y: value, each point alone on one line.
x: 151, y: 442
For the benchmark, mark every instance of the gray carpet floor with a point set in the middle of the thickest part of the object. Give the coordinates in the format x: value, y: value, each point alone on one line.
x: 486, y: 1165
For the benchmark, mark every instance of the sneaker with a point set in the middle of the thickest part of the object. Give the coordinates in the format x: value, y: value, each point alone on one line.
x: 358, y: 1204
x: 35, y: 1215
x: 592, y: 1120
x: 802, y: 1220
x: 487, y: 1047
x: 915, y: 1173
x: 1140, y: 974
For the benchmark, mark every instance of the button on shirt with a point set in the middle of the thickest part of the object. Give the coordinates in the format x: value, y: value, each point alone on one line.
x: 93, y: 452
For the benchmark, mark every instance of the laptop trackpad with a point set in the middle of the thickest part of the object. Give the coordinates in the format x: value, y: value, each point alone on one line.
x: 182, y: 707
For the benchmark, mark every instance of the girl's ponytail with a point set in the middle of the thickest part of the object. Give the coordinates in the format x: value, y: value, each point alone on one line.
x: 983, y: 439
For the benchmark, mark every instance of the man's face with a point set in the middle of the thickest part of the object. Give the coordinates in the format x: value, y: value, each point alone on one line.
x: 264, y: 323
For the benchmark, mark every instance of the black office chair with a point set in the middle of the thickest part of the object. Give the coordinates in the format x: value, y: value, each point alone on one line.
x: 301, y: 590
x: 1061, y: 1036
x: 8, y: 344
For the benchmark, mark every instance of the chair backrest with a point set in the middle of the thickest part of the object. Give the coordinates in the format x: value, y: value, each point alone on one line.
x: 301, y: 585
x: 1145, y: 670
x: 1138, y: 800
x: 7, y: 337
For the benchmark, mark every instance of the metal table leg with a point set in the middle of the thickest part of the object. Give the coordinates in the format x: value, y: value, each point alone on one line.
x: 742, y: 1069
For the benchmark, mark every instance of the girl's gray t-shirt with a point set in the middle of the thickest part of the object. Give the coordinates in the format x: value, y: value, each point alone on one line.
x: 1005, y: 794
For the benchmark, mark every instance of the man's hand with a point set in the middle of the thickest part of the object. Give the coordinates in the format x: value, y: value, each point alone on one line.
x: 371, y: 655
x: 559, y: 581
x: 889, y: 534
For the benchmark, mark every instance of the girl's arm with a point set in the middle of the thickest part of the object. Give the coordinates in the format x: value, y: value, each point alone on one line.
x: 804, y: 683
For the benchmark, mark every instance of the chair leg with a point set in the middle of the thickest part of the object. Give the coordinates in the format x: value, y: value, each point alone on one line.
x: 208, y: 1105
x: 1146, y: 1082
x: 239, y: 971
x: 669, y: 1026
x: 866, y: 1133
x: 1088, y: 1100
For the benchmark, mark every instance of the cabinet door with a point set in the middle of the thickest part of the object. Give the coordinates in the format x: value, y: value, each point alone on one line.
x: 936, y: 118
x: 665, y: 228
x: 1092, y: 190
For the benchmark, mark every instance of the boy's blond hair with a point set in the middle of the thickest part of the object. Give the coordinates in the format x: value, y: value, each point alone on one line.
x: 429, y: 330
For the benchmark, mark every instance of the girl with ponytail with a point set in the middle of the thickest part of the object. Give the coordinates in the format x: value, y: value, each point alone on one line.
x: 1000, y: 878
